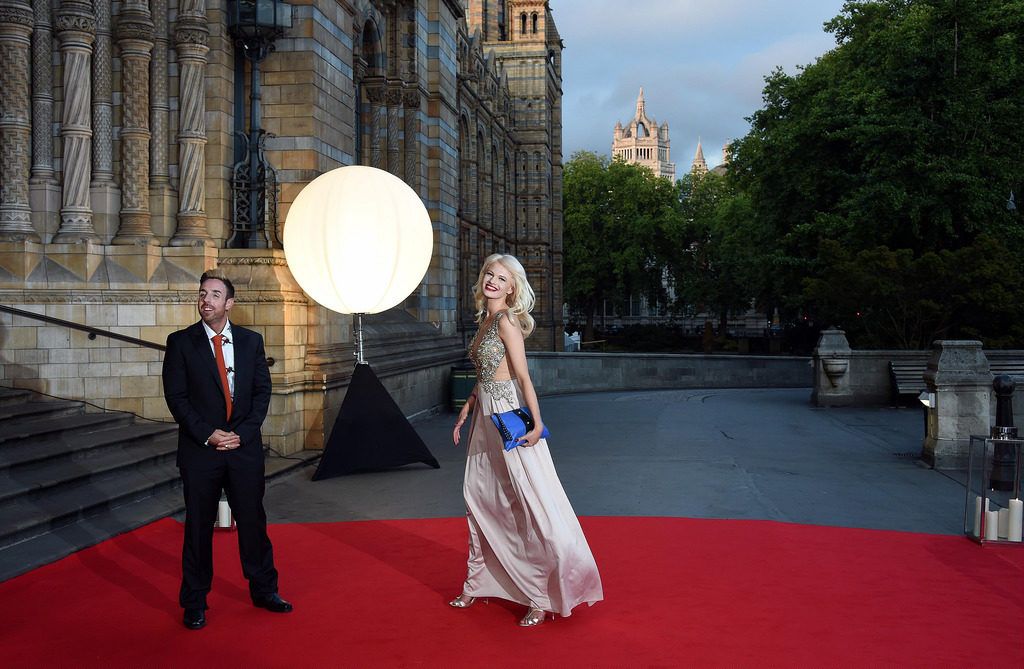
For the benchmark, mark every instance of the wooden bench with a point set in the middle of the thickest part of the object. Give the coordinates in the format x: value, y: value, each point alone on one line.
x: 908, y: 375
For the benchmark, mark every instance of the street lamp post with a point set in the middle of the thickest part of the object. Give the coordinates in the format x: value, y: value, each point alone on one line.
x: 254, y: 25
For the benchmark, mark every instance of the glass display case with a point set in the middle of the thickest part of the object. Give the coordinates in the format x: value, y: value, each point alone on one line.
x: 993, y: 510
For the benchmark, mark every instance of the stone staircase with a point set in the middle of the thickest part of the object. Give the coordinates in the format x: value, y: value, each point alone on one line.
x: 70, y: 479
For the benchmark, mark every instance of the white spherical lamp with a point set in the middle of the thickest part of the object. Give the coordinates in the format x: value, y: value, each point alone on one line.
x: 358, y: 240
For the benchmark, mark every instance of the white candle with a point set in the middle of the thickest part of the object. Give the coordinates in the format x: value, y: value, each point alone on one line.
x: 977, y: 514
x: 223, y: 514
x: 1004, y: 522
x: 991, y: 525
x: 1015, y: 522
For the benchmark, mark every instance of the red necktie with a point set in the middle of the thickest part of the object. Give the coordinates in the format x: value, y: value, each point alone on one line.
x: 218, y: 351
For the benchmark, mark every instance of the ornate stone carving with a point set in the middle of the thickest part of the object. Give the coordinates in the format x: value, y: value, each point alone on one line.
x: 191, y: 35
x: 42, y: 92
x: 159, y: 104
x: 135, y: 31
x: 76, y: 25
x: 15, y: 123
x: 102, y: 99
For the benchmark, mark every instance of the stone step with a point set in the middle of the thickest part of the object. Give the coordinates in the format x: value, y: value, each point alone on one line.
x: 37, y: 429
x: 18, y: 412
x: 31, y: 552
x: 80, y: 445
x: 15, y: 396
x: 42, y: 477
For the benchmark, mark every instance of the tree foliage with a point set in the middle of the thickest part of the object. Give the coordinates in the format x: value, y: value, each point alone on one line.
x: 617, y: 219
x: 879, y: 176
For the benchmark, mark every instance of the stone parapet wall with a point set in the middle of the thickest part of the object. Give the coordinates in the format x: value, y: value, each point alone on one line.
x: 557, y: 373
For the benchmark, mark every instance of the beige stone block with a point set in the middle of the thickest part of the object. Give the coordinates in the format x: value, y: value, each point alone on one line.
x: 155, y: 408
x: 156, y: 368
x: 66, y: 355
x: 20, y: 258
x: 31, y: 356
x: 130, y: 369
x: 242, y: 314
x: 136, y: 314
x: 81, y: 339
x: 82, y: 260
x: 156, y: 335
x: 176, y: 315
x: 129, y: 404
x: 68, y: 312
x: 17, y: 338
x: 140, y: 386
x: 101, y: 315
x: 58, y: 371
x: 95, y: 369
x: 66, y: 387
x: 52, y: 336
x: 140, y: 261
x: 139, y: 354
x: 126, y: 330
x: 105, y: 355
x: 28, y: 321
x: 102, y: 387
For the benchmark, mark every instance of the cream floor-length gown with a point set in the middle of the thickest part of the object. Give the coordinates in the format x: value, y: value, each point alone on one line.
x: 525, y: 542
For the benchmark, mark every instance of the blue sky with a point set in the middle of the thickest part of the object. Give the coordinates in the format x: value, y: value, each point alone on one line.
x: 701, y: 63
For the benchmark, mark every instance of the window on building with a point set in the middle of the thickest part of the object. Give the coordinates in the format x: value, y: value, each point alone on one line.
x: 522, y: 23
x: 534, y: 20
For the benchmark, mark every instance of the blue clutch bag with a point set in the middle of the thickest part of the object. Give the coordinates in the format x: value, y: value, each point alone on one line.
x: 513, y: 426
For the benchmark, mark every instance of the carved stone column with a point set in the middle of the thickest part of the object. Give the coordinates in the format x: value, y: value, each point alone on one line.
x: 134, y: 39
x: 161, y: 196
x: 411, y: 102
x: 76, y: 27
x: 15, y: 124
x: 102, y: 98
x: 191, y: 35
x: 44, y: 192
x: 394, y: 106
x: 104, y: 192
x: 375, y: 93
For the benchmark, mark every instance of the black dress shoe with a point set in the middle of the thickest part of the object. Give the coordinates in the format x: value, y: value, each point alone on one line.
x: 272, y: 603
x: 195, y: 619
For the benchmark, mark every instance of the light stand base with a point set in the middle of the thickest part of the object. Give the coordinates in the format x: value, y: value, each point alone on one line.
x: 370, y: 433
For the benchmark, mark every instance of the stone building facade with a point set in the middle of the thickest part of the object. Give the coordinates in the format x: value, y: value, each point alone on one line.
x: 644, y: 142
x: 117, y: 137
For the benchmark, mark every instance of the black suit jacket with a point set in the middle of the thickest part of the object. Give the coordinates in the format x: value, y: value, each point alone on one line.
x: 192, y: 389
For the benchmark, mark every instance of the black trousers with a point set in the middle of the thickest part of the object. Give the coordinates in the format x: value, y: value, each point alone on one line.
x: 244, y: 484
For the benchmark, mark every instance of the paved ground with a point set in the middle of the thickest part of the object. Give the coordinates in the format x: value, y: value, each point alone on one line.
x: 753, y: 454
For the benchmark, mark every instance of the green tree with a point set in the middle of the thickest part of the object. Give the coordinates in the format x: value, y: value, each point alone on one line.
x: 616, y: 222
x: 893, y: 155
x: 714, y: 255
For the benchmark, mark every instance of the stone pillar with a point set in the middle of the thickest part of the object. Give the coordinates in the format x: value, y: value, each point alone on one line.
x: 76, y: 28
x: 958, y: 375
x: 161, y: 196
x: 44, y: 191
x: 411, y: 103
x: 134, y: 39
x: 191, y: 36
x: 375, y: 93
x: 832, y: 370
x: 104, y: 194
x: 15, y: 121
x: 394, y: 106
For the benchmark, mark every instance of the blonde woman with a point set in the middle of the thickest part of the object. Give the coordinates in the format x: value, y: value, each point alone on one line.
x: 525, y: 543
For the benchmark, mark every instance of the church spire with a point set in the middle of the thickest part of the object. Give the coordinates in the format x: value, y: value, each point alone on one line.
x: 700, y: 166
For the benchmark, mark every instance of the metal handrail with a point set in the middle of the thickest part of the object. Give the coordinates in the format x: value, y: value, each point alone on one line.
x: 92, y: 332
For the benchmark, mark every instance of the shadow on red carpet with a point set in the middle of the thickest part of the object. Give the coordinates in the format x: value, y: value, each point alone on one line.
x: 679, y: 592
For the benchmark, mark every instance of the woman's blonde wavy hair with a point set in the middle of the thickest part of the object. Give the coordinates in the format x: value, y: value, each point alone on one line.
x: 520, y: 302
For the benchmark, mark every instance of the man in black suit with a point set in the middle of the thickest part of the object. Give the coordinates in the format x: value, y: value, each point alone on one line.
x: 217, y: 386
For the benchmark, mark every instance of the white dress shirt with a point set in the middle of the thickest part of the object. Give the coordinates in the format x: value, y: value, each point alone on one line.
x: 228, y: 349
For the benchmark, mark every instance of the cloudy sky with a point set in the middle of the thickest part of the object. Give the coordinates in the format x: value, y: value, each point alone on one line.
x: 701, y: 63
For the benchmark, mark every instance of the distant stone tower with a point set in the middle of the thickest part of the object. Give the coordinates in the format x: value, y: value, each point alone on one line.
x: 699, y: 166
x: 643, y: 142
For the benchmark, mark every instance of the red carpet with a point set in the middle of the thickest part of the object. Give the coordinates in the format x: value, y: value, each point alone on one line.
x: 679, y: 592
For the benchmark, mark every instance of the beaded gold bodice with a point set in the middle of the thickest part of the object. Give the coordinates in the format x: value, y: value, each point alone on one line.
x: 486, y: 352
